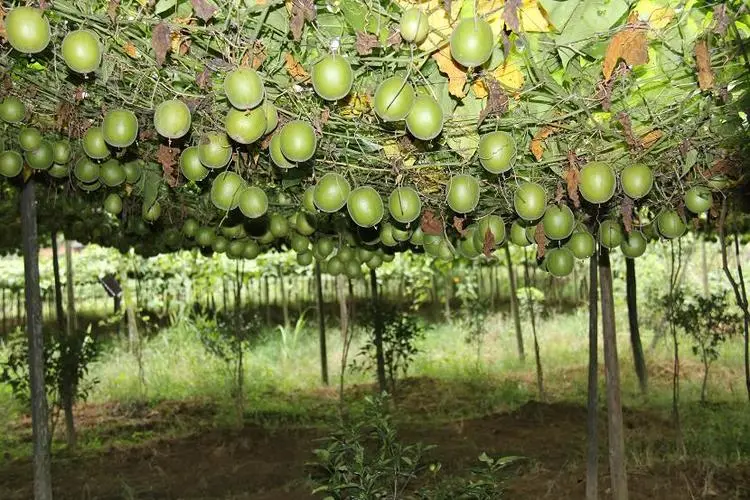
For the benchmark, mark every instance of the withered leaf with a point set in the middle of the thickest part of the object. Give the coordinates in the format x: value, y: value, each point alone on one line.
x: 572, y: 178
x: 630, y: 44
x: 204, y: 10
x: 506, y: 43
x: 161, y: 39
x: 626, y: 208
x: 721, y: 19
x: 365, y: 43
x: 541, y: 240
x: 488, y: 245
x: 394, y: 38
x: 651, y: 138
x: 295, y: 69
x: 497, y: 100
x: 146, y: 134
x: 112, y: 8
x: 302, y: 10
x: 703, y: 63
x: 458, y: 224
x: 627, y: 130
x: 203, y: 79
x: 559, y: 193
x: 167, y: 158
x: 510, y: 14
x: 537, y: 143
x: 259, y: 54
x: 430, y: 224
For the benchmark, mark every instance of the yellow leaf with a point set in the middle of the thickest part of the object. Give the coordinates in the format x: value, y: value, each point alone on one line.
x: 532, y: 17
x: 391, y: 149
x: 649, y: 139
x: 509, y: 74
x: 295, y: 69
x: 480, y: 89
x: 657, y: 13
x: 537, y: 143
x: 629, y: 44
x: 130, y: 50
x: 356, y: 105
x: 456, y: 75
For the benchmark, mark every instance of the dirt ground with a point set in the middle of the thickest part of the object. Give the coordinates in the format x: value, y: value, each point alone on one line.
x: 269, y: 464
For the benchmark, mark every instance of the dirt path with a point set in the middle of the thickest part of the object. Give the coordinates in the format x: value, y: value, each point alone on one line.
x: 265, y: 464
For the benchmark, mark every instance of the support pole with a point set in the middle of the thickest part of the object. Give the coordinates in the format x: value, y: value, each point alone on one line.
x: 321, y: 325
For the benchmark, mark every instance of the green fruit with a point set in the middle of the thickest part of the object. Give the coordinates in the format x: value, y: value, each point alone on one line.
x: 234, y: 232
x: 670, y: 224
x: 637, y: 180
x: 27, y: 30
x: 94, y: 144
x: 386, y: 235
x: 277, y: 157
x: 698, y: 199
x: 394, y: 99
x: 530, y: 201
x: 113, y: 204
x: 214, y: 150
x: 299, y: 243
x: 236, y: 249
x: 152, y: 213
x: 404, y: 205
x: 111, y: 173
x: 253, y: 202
x: 11, y: 163
x: 266, y: 238
x: 82, y: 51
x: 400, y: 235
x: 633, y: 245
x: 205, y: 236
x: 190, y: 227
x: 252, y: 250
x: 172, y: 119
x: 335, y: 266
x: 560, y: 261
x: 558, y: 222
x: 220, y: 244
x: 332, y: 77
x: 610, y: 234
x: 305, y: 223
x: 472, y: 42
x: 304, y: 259
x: 225, y: 191
x: 244, y: 88
x: 246, y: 127
x: 323, y: 247
x: 582, y: 244
x: 29, y: 138
x: 308, y: 200
x: 120, y: 128
x: 417, y: 237
x: 491, y: 224
x: 353, y: 269
x: 40, y: 158
x: 365, y: 206
x: 298, y: 141
x: 90, y: 187
x: 467, y: 246
x: 463, y: 193
x: 597, y: 182
x: 331, y: 192
x: 86, y: 170
x: 133, y: 171
x: 12, y: 110
x: 61, y: 151
x: 497, y: 152
x: 278, y: 225
x: 375, y: 261
x: 414, y: 26
x: 518, y: 234
x: 191, y: 166
x: 425, y: 119
x: 272, y: 116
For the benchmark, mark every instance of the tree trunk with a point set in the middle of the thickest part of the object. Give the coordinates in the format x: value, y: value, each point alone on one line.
x: 65, y: 329
x: 321, y: 325
x: 345, y: 337
x: 72, y: 324
x: 592, y: 436
x: 59, y: 312
x: 514, y: 304
x: 537, y: 354
x: 618, y: 473
x: 635, y: 336
x: 378, y: 327
x: 704, y: 383
x: 39, y: 410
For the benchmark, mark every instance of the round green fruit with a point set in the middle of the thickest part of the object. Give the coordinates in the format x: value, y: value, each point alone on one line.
x: 113, y: 204
x: 111, y: 173
x: 417, y: 237
x: 278, y: 225
x: 236, y: 249
x: 225, y: 191
x: 214, y: 150
x: 82, y: 51
x: 497, y: 152
x: 253, y: 202
x: 414, y: 26
x: 40, y: 158
x: 633, y: 245
x: 558, y: 222
x: 305, y: 223
x: 61, y: 151
x: 133, y: 171
x: 386, y: 235
x: 151, y: 213
x: 298, y: 141
x: 29, y: 138
x: 332, y: 77
x: 425, y: 119
x: 11, y: 163
x: 205, y: 236
x: 59, y: 171
x: 244, y: 88
x: 394, y: 98
x: 698, y: 199
x: 335, y: 266
x: 220, y: 244
x: 172, y: 119
x: 251, y: 251
x: 365, y: 206
x: 191, y: 166
x: 120, y: 128
x: 246, y: 127
x: 530, y: 201
x: 404, y: 205
x: 637, y: 180
x: 331, y: 192
x: 299, y: 243
x: 12, y: 110
x: 670, y: 224
x: 560, y: 261
x: 277, y: 157
x: 94, y: 144
x: 472, y: 42
x: 86, y: 170
x: 582, y: 244
x: 463, y: 193
x: 610, y: 234
x: 518, y: 234
x: 597, y: 182
x: 272, y: 116
x: 190, y: 227
x: 27, y: 30
x: 323, y: 247
x: 308, y: 200
x: 491, y: 224
x: 305, y: 258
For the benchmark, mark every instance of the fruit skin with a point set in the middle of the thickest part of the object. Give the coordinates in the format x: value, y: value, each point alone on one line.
x: 152, y: 213
x: 111, y: 173
x: 633, y: 245
x: 414, y: 26
x: 214, y: 150
x: 425, y: 119
x: 189, y: 227
x: 610, y: 234
x: 40, y: 158
x: 191, y: 166
x: 497, y: 152
x: 365, y: 206
x: 58, y: 171
x: 12, y: 110
x: 172, y: 119
x: 220, y: 244
x: 61, y: 151
x: 253, y: 202
x: 393, y: 100
x: 517, y: 234
x: 113, y: 204
x: 11, y: 163
x: 225, y: 191
x: 582, y: 244
x: 82, y: 51
x: 530, y: 201
x: 404, y: 204
x: 245, y: 127
x: 637, y: 180
x: 278, y: 225
x: 560, y: 261
x: 133, y: 171
x: 597, y: 182
x: 492, y: 223
x: 305, y: 223
x: 120, y: 128
x: 463, y: 193
x: 251, y: 250
x: 244, y: 88
x: 272, y: 116
x: 205, y: 236
x: 308, y: 200
x: 332, y: 77
x: 698, y: 199
x: 27, y: 30
x: 29, y: 138
x: 558, y: 222
x: 670, y: 224
x: 297, y: 141
x: 331, y: 192
x: 86, y: 170
x: 472, y: 42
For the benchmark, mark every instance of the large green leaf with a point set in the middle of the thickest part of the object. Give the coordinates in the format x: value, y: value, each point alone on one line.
x: 465, y: 137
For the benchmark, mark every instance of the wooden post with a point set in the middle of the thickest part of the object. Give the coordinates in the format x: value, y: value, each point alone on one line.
x: 72, y: 323
x: 514, y: 304
x: 592, y: 436
x: 321, y: 325
x: 59, y: 313
x: 284, y: 298
x: 39, y: 410
x: 635, y: 336
x: 615, y: 426
x: 379, y: 357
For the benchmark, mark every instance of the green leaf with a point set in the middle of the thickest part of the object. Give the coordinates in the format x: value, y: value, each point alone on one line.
x: 360, y: 18
x: 464, y: 139
x: 691, y: 157
x: 164, y: 5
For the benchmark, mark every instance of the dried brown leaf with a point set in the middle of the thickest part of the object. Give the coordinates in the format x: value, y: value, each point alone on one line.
x: 161, y: 39
x: 559, y: 193
x: 394, y: 38
x: 541, y: 240
x: 302, y: 10
x: 703, y: 63
x: 259, y: 54
x: 430, y: 224
x: 497, y: 100
x: 488, y: 245
x: 630, y: 44
x: 627, y: 129
x: 458, y: 224
x: 650, y: 138
x: 510, y: 14
x: 506, y: 43
x: 721, y: 19
x: 112, y: 7
x: 204, y: 10
x: 294, y: 68
x: 572, y: 177
x: 626, y: 209
x: 203, y: 79
x: 537, y: 143
x: 365, y: 43
x: 167, y: 158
